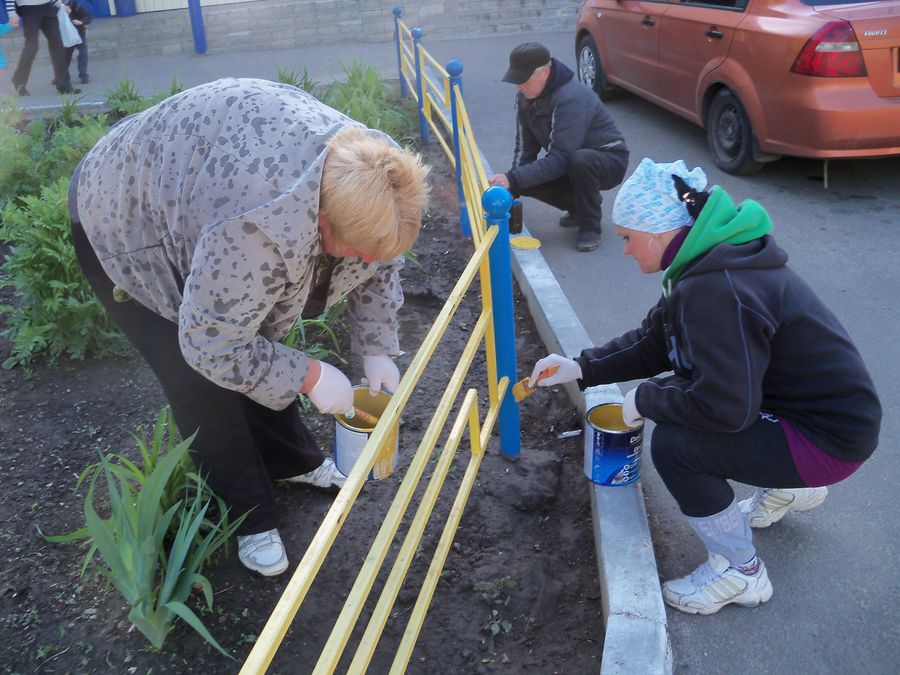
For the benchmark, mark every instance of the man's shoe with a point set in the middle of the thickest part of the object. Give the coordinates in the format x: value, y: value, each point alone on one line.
x: 769, y: 505
x: 568, y: 220
x: 85, y: 79
x: 326, y: 477
x: 70, y: 90
x: 263, y: 553
x: 21, y: 90
x: 588, y: 240
x: 715, y: 584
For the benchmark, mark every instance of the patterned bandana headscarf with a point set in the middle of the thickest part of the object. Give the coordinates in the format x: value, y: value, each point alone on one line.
x: 648, y: 200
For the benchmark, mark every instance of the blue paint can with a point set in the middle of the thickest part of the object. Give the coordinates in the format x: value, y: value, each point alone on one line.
x: 612, y: 449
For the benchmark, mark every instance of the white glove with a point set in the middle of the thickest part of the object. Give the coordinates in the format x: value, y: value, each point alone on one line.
x: 381, y: 373
x: 332, y: 392
x: 569, y: 370
x: 630, y: 414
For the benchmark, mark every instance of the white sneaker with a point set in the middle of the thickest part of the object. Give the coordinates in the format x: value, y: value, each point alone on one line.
x: 715, y: 584
x: 326, y: 477
x: 263, y: 553
x: 769, y: 505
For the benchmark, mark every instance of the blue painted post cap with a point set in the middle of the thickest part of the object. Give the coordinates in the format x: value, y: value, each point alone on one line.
x: 397, y: 11
x: 417, y: 33
x: 496, y: 201
x: 454, y: 67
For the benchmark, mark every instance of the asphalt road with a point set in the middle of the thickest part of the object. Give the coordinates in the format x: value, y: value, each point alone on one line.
x: 834, y: 570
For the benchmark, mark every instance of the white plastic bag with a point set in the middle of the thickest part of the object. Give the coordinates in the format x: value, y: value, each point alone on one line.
x: 67, y: 30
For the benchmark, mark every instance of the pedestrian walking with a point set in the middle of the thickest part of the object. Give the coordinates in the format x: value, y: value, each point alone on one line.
x: 40, y: 16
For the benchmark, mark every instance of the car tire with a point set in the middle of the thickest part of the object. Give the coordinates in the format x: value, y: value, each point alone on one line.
x: 730, y: 136
x: 590, y: 68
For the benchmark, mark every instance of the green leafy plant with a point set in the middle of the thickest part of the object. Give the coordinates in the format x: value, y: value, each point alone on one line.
x: 124, y: 99
x: 304, y: 81
x: 364, y: 97
x: 175, y: 88
x: 158, y: 537
x: 21, y: 146
x: 57, y: 311
x: 318, y: 338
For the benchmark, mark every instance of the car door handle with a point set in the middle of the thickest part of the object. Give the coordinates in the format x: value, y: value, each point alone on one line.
x: 647, y: 21
x: 715, y: 33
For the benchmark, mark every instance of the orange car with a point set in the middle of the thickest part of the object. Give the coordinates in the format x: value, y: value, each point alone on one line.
x: 765, y: 78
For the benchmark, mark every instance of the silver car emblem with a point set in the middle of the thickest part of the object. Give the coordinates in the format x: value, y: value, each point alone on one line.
x: 874, y: 33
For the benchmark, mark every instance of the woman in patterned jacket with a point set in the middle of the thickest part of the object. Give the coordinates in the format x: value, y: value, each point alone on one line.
x: 208, y: 225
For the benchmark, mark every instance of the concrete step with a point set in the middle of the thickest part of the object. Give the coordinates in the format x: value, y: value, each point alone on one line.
x: 278, y: 24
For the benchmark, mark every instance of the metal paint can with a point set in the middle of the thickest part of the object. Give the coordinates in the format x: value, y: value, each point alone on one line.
x: 350, y: 435
x: 612, y: 449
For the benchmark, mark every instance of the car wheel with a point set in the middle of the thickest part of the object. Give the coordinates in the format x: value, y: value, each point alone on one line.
x: 590, y: 68
x: 730, y: 136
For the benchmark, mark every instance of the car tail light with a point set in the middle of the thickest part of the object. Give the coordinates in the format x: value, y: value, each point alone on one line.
x: 832, y: 52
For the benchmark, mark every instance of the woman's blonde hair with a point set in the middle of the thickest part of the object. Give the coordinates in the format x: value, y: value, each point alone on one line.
x: 373, y: 193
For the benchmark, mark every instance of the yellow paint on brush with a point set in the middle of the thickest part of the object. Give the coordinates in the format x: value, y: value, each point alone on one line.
x: 521, y: 389
x: 366, y: 418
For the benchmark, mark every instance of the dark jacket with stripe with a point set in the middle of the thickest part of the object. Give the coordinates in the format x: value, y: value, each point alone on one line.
x: 743, y: 333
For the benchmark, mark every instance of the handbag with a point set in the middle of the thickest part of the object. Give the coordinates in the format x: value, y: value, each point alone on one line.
x: 67, y: 30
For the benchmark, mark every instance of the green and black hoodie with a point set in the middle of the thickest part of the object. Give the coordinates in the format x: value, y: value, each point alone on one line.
x: 742, y: 333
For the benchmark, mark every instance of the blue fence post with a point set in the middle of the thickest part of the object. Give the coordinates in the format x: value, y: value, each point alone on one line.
x: 197, y: 26
x: 404, y: 92
x: 420, y: 86
x: 496, y: 202
x: 454, y: 70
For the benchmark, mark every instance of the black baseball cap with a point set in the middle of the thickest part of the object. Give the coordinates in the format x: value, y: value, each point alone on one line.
x: 524, y: 60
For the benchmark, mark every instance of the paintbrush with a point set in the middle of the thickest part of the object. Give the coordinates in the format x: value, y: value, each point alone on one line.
x: 521, y: 388
x: 362, y: 415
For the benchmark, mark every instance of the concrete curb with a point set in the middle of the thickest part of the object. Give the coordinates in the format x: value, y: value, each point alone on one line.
x: 633, y: 610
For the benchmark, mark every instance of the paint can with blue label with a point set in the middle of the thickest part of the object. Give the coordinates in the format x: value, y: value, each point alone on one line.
x: 612, y: 449
x: 352, y: 434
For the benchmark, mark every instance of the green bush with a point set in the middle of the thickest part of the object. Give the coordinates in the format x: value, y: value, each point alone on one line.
x: 364, y: 97
x: 57, y: 313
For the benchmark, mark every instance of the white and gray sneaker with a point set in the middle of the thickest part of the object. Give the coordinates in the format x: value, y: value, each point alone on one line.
x: 326, y: 477
x: 263, y: 553
x: 769, y: 505
x: 715, y: 584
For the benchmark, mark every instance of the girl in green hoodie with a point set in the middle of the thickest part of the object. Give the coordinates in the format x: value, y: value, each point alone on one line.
x: 752, y: 377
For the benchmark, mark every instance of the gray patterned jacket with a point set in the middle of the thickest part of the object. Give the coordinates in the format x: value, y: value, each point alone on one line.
x: 216, y: 189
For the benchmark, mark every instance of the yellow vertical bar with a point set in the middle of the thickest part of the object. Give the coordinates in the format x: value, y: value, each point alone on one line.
x: 417, y: 617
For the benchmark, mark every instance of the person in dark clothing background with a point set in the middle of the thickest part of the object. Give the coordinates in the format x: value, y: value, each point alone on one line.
x: 40, y: 16
x: 80, y: 18
x: 767, y: 388
x: 584, y: 151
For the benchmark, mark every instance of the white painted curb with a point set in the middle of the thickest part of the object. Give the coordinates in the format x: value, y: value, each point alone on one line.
x: 633, y: 611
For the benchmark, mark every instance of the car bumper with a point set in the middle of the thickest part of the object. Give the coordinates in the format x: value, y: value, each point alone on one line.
x: 848, y: 120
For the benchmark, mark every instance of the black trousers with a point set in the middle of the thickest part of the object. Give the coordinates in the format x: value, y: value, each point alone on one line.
x: 578, y: 192
x: 82, y: 50
x: 696, y: 465
x: 35, y: 19
x: 241, y: 446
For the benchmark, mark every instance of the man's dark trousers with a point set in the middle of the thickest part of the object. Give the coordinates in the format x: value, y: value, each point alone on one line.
x: 41, y: 19
x: 578, y: 192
